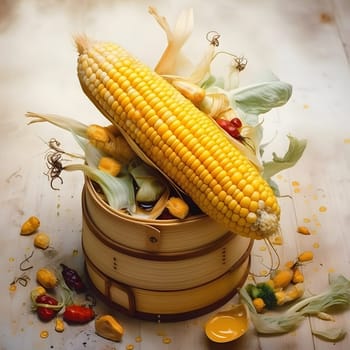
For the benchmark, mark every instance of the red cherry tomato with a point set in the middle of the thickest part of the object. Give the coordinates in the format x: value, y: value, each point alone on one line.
x: 236, y: 122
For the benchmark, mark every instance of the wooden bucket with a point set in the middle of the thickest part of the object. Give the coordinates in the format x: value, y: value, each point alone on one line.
x: 168, y: 269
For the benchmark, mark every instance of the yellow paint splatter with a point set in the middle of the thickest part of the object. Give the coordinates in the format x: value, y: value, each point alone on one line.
x: 44, y: 334
x: 306, y: 220
x: 75, y: 252
x: 316, y: 245
x: 297, y: 190
x: 138, y: 339
x: 129, y: 347
x: 322, y: 209
x: 331, y: 270
x: 347, y: 141
x: 11, y: 259
x: 306, y: 106
x: 166, y: 340
x: 262, y: 248
x: 295, y: 183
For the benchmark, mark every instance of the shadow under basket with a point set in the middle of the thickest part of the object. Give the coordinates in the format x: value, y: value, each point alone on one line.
x: 160, y: 270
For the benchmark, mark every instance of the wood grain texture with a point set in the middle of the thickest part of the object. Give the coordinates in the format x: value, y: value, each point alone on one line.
x: 306, y: 43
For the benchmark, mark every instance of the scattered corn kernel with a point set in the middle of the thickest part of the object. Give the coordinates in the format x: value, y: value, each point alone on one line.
x: 108, y: 327
x: 59, y: 325
x: 303, y: 230
x: 324, y: 316
x: 282, y: 278
x: 177, y: 207
x: 38, y: 291
x: 259, y: 304
x: 291, y: 293
x: 41, y: 240
x: 307, y: 255
x: 109, y: 165
x: 30, y: 225
x: 298, y: 276
x: 46, y: 278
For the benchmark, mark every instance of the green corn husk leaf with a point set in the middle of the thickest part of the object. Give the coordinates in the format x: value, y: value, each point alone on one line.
x: 262, y: 97
x: 333, y: 334
x: 119, y: 191
x: 150, y: 183
x: 338, y: 294
x: 295, y: 151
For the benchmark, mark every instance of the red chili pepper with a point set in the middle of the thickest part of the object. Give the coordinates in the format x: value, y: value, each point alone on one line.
x: 73, y: 279
x: 44, y: 313
x: 78, y: 314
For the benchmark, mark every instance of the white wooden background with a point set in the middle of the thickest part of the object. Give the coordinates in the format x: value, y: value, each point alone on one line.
x: 305, y: 43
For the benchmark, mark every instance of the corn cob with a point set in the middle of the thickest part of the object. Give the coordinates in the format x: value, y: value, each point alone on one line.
x: 181, y: 140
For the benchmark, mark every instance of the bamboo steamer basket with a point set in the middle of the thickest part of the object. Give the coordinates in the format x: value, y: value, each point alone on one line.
x: 169, y: 269
x: 162, y: 236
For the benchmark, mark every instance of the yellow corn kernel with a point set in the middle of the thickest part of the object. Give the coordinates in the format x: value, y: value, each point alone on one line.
x: 59, y: 325
x: 259, y: 304
x: 298, y: 276
x: 38, y: 291
x: 46, y: 278
x: 307, y: 255
x: 109, y: 140
x: 177, y: 207
x: 109, y: 165
x: 108, y: 327
x: 30, y: 225
x: 291, y: 293
x: 175, y: 135
x: 282, y: 278
x: 303, y: 230
x: 41, y: 240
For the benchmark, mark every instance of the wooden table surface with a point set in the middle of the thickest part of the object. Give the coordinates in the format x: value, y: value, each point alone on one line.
x: 305, y: 43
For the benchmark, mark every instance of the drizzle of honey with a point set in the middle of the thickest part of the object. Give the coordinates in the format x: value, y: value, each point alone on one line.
x: 44, y: 334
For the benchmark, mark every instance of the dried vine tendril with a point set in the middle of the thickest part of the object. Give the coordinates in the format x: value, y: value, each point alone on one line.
x: 54, y: 162
x: 240, y: 62
x: 23, y: 279
x: 213, y: 38
x: 26, y: 261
